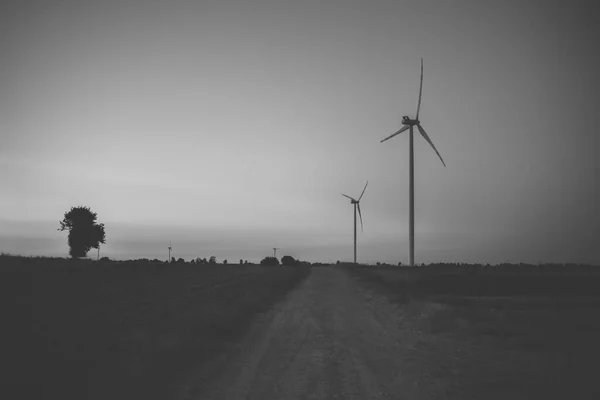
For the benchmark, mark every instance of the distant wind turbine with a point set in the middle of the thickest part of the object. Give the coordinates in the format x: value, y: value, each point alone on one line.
x: 169, y: 260
x: 275, y: 251
x: 356, y: 206
x: 408, y: 124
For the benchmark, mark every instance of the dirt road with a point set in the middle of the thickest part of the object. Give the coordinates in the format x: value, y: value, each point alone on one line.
x: 329, y: 339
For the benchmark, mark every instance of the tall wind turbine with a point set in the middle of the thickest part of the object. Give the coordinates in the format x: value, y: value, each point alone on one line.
x: 356, y: 206
x: 169, y: 260
x: 408, y: 124
x: 275, y: 251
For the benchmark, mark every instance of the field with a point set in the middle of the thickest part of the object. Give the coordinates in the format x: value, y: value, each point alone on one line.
x: 519, y: 332
x: 123, y: 330
x: 128, y: 330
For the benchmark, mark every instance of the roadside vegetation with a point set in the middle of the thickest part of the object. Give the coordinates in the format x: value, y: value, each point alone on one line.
x: 79, y: 329
x: 504, y: 331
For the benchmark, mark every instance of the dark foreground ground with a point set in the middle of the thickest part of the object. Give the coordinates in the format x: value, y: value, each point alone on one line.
x: 129, y: 330
x: 499, y: 333
x: 364, y: 333
x: 330, y: 339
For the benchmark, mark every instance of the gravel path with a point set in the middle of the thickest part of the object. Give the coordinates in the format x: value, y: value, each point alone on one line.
x: 328, y: 339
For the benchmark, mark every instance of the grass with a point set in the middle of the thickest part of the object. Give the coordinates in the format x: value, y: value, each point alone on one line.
x: 510, y: 332
x: 122, y: 330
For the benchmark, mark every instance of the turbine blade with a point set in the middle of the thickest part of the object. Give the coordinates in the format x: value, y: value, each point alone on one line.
x: 420, y: 91
x: 363, y: 192
x: 405, y: 127
x: 360, y: 215
x: 345, y: 195
x: 430, y: 142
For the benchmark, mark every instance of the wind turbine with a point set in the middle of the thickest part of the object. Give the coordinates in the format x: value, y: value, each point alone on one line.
x: 275, y: 251
x: 169, y: 260
x: 408, y: 124
x: 356, y: 205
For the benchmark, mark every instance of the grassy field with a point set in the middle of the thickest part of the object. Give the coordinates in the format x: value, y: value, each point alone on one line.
x: 518, y: 332
x: 123, y: 330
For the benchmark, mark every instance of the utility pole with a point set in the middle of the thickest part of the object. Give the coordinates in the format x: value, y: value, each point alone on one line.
x: 169, y: 259
x: 98, y: 257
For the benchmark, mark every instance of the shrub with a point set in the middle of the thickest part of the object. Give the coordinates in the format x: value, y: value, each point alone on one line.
x: 269, y: 261
x: 288, y: 260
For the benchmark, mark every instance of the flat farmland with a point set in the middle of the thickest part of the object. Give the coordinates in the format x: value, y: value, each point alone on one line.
x: 81, y: 329
x: 501, y: 332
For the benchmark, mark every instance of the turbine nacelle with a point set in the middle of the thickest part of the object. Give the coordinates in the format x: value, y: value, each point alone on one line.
x: 409, y: 122
x: 352, y: 199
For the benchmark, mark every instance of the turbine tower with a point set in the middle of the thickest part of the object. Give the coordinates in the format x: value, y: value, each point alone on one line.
x: 275, y: 251
x: 356, y: 204
x: 169, y: 259
x: 409, y: 124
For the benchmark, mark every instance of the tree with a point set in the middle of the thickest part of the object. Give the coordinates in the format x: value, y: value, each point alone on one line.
x: 225, y: 261
x: 84, y: 232
x: 180, y: 261
x: 269, y: 261
x: 241, y: 261
x: 288, y: 260
x: 212, y: 260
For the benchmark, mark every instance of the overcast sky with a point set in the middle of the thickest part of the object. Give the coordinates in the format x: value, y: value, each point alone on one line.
x: 230, y: 128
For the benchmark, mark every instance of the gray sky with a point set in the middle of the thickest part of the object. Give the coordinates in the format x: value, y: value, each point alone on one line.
x: 234, y: 127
